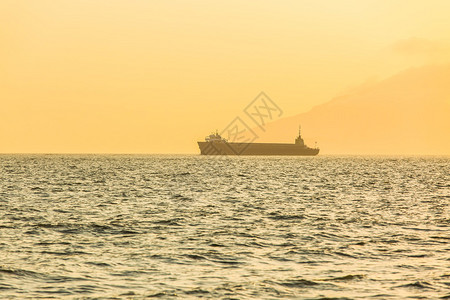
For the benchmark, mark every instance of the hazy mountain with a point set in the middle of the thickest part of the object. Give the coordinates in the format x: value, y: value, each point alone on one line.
x: 408, y: 113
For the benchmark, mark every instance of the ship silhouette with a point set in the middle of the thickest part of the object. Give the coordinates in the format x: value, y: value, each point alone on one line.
x: 214, y: 144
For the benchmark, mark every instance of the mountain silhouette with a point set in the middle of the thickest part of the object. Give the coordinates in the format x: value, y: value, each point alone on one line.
x: 408, y: 113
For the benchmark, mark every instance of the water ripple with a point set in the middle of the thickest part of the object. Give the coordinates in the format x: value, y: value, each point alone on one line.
x: 123, y: 226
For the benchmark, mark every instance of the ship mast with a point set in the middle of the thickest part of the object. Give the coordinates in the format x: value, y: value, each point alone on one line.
x: 299, y: 140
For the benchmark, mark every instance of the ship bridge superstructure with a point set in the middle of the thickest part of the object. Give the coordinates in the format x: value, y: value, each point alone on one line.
x: 215, y: 137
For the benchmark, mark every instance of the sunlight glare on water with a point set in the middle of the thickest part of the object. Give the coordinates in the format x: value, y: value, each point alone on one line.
x: 237, y: 227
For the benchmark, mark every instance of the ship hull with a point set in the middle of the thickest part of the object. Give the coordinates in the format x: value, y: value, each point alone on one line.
x: 224, y: 148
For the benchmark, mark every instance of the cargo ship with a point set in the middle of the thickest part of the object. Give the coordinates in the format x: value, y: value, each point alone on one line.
x: 214, y: 144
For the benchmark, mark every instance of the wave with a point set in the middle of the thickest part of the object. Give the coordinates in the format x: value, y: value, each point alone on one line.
x: 347, y: 277
x: 418, y: 285
x: 295, y: 283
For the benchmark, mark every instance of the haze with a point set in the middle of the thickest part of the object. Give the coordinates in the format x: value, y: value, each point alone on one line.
x: 156, y: 76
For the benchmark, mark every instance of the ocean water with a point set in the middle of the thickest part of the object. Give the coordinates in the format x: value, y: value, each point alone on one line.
x: 325, y: 227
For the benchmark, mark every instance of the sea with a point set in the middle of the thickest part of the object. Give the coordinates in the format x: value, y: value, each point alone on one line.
x: 191, y: 226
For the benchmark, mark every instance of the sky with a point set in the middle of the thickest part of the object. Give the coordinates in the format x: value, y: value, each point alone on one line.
x: 137, y: 76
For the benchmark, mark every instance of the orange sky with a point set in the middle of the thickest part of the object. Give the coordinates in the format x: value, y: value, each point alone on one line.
x: 137, y: 76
